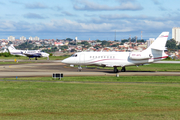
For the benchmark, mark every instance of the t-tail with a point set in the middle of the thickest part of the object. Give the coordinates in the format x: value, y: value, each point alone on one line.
x: 11, y: 48
x: 155, y: 51
x: 160, y: 42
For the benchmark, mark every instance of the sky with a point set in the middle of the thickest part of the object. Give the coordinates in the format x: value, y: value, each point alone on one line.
x: 88, y: 19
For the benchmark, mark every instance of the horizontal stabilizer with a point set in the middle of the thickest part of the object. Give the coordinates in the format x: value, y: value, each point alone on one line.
x: 161, y: 48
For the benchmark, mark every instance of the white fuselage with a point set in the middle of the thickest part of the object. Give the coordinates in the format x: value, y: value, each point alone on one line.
x: 154, y: 52
x: 110, y: 59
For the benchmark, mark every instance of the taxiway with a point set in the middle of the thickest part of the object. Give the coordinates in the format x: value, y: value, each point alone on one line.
x: 46, y: 69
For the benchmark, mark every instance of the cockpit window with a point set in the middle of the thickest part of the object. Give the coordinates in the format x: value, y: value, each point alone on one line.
x: 74, y: 55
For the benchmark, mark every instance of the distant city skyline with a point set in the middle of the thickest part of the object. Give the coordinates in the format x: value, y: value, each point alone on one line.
x: 94, y: 19
x: 93, y: 36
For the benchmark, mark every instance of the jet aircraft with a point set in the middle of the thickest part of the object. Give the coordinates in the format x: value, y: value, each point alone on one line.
x: 155, y: 52
x: 28, y: 53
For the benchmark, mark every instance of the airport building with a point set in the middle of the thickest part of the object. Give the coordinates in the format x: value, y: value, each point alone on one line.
x: 176, y: 34
x: 11, y: 38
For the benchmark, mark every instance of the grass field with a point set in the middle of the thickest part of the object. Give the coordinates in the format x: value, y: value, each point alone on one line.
x: 137, y: 98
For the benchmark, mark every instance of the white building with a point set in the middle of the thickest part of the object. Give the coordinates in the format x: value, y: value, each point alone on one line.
x: 30, y: 38
x: 11, y: 38
x: 150, y: 41
x: 22, y: 38
x: 76, y: 38
x: 34, y: 38
x: 176, y: 33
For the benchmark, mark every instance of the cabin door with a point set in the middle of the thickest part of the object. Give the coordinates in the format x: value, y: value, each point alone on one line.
x: 81, y: 58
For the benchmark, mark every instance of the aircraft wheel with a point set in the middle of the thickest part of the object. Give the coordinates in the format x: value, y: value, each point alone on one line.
x: 115, y: 70
x: 123, y: 69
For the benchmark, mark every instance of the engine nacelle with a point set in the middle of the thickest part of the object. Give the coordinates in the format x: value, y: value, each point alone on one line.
x: 139, y: 56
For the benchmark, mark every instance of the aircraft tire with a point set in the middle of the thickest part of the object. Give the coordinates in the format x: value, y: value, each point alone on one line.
x: 123, y: 69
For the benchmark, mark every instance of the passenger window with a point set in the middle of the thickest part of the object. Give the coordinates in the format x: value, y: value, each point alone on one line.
x: 98, y: 56
x: 107, y: 56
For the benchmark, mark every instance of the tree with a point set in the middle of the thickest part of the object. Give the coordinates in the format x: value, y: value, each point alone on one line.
x: 115, y: 45
x: 85, y: 43
x: 171, y: 44
x: 105, y: 43
x: 141, y: 40
x: 98, y: 40
x: 25, y: 46
x: 123, y: 41
x: 64, y: 47
x: 69, y: 39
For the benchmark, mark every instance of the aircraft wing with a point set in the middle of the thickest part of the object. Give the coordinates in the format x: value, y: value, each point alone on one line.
x: 33, y: 54
x: 112, y: 65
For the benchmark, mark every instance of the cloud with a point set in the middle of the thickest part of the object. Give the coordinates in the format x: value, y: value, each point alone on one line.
x: 162, y: 8
x: 1, y: 3
x: 67, y: 13
x: 91, y: 6
x: 123, y: 16
x: 74, y: 26
x: 90, y: 15
x: 15, y: 2
x: 34, y: 16
x: 156, y: 2
x: 124, y: 23
x: 36, y: 6
x: 57, y: 8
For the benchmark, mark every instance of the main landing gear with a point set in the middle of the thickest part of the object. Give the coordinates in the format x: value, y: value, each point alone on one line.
x: 122, y: 70
x: 115, y: 70
x: 35, y: 58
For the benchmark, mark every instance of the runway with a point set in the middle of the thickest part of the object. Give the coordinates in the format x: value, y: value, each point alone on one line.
x: 46, y: 69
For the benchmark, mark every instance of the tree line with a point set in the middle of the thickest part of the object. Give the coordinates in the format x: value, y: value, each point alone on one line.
x: 172, y: 45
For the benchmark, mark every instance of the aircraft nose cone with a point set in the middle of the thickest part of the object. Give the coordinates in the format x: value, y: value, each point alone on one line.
x: 64, y: 61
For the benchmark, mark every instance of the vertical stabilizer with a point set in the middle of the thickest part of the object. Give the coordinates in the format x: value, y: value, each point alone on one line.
x: 11, y: 48
x: 156, y: 49
x: 160, y: 42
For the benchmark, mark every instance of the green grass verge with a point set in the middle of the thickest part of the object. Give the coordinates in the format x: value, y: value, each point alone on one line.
x: 90, y: 101
x: 150, y: 79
